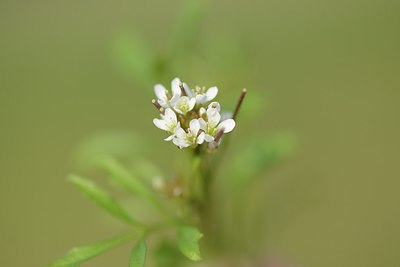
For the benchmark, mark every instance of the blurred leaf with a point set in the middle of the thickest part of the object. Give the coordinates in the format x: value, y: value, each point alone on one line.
x: 187, y: 27
x: 118, y: 144
x: 101, y: 198
x: 146, y: 169
x: 167, y: 255
x: 124, y: 178
x: 138, y: 254
x: 188, y: 238
x: 260, y: 155
x: 135, y: 58
x: 81, y: 254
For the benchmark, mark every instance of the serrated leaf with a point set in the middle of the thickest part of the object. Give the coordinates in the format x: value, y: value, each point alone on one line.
x: 188, y: 238
x: 101, y: 198
x: 78, y: 255
x: 138, y: 254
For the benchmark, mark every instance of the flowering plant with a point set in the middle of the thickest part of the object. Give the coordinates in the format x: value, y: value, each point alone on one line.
x: 191, y: 121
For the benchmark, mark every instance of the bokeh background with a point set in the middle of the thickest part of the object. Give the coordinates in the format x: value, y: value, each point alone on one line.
x: 325, y: 71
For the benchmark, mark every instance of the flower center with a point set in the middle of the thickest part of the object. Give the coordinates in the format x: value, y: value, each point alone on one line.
x: 183, y: 104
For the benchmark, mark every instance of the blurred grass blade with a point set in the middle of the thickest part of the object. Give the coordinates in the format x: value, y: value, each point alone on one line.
x: 125, y: 179
x: 102, y: 198
x: 138, y: 254
x: 78, y: 255
x: 188, y: 238
x: 187, y: 27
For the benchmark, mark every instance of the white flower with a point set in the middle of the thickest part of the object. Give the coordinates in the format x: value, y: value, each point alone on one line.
x: 202, y: 96
x: 190, y: 138
x: 213, y: 125
x: 168, y: 123
x: 184, y: 104
x: 164, y: 98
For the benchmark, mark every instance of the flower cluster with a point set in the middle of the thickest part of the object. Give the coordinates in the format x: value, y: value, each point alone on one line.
x: 188, y: 115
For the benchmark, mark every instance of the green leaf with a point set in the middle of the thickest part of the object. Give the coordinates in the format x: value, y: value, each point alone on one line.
x: 125, y: 179
x: 188, y: 238
x: 101, y: 198
x: 78, y: 255
x: 167, y: 254
x: 138, y: 255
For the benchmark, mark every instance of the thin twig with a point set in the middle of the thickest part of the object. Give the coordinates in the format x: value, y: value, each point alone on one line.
x: 239, y: 103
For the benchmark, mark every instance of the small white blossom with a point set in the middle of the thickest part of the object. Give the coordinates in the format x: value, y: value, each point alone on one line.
x: 184, y: 104
x: 192, y: 137
x: 214, y: 123
x: 168, y: 123
x: 164, y: 98
x: 202, y: 96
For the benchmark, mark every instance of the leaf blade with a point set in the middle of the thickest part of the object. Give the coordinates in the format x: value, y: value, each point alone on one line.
x: 138, y: 254
x: 188, y: 238
x: 101, y: 198
x: 81, y: 254
x: 125, y: 179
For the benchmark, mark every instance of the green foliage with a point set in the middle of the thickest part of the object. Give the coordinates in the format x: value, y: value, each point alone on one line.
x: 127, y: 180
x: 167, y: 254
x: 78, y: 255
x: 188, y: 238
x: 138, y: 254
x: 102, y: 198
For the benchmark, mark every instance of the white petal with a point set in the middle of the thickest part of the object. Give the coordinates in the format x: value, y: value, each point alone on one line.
x: 187, y: 90
x: 180, y: 133
x: 211, y: 93
x: 192, y: 103
x: 203, y: 124
x: 213, y: 117
x: 163, y: 103
x: 194, y: 126
x: 175, y: 98
x: 160, y: 124
x: 228, y: 125
x: 201, y: 99
x: 178, y: 110
x: 208, y: 138
x: 169, y: 138
x: 200, y: 138
x: 176, y: 90
x: 202, y: 111
x: 214, y: 105
x: 180, y: 142
x: 160, y: 92
x: 170, y: 116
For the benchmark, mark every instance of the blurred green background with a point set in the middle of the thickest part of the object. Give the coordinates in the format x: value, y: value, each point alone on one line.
x: 327, y: 71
